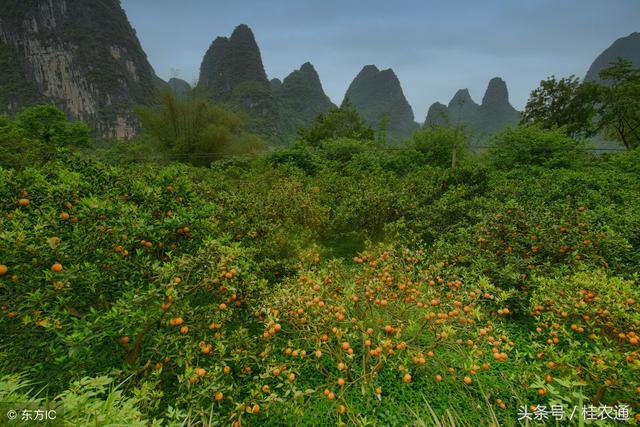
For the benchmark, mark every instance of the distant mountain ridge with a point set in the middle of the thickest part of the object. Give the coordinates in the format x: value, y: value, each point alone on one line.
x: 376, y: 93
x: 301, y: 97
x: 84, y: 56
x: 625, y: 47
x: 229, y: 62
x: 493, y: 115
x: 232, y: 72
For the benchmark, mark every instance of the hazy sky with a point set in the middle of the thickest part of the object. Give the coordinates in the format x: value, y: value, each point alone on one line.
x: 435, y: 47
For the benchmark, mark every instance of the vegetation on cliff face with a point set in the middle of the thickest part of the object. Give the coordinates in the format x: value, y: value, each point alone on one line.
x: 15, y: 89
x: 230, y: 62
x: 301, y: 97
x: 82, y: 56
x: 232, y: 73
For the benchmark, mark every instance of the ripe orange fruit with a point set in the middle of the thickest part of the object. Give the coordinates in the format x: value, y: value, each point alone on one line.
x: 276, y: 372
x: 318, y: 354
x: 23, y: 202
x: 406, y: 378
x: 56, y: 268
x: 341, y: 366
x: 200, y: 372
x: 438, y: 378
x: 256, y: 408
x: 226, y: 369
x: 277, y: 327
x: 184, y: 329
x: 542, y: 392
x: 340, y: 381
x: 3, y: 269
x: 292, y: 376
x: 467, y: 380
x: 124, y: 340
x: 378, y: 390
x: 265, y: 388
x: 331, y: 395
x: 223, y: 306
x: 219, y: 396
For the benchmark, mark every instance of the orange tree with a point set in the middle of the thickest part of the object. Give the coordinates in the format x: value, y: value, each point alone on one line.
x: 364, y: 339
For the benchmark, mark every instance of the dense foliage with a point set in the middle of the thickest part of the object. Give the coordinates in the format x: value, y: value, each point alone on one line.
x: 333, y: 282
x: 585, y: 108
x: 193, y: 130
x: 35, y: 134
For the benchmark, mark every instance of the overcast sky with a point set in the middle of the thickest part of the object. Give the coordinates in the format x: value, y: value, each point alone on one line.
x: 435, y: 47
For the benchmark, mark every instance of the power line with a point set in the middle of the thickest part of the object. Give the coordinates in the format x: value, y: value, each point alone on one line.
x: 205, y: 155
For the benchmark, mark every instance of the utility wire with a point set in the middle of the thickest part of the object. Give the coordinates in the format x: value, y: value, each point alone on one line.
x: 204, y: 155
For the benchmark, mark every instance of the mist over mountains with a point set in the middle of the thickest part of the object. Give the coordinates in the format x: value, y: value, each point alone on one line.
x: 85, y: 57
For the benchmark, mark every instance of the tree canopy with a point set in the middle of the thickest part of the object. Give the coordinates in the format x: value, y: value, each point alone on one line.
x: 585, y: 108
x: 338, y: 122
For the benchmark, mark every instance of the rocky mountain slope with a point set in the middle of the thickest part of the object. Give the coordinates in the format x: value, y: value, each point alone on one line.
x: 81, y: 55
x: 232, y: 72
x: 374, y: 94
x: 300, y: 96
x: 624, y: 47
x: 493, y: 115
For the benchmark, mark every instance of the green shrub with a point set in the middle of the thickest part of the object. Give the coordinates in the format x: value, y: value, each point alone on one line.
x: 533, y: 146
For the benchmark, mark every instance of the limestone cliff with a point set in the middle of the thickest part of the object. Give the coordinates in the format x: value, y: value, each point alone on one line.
x: 81, y: 55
